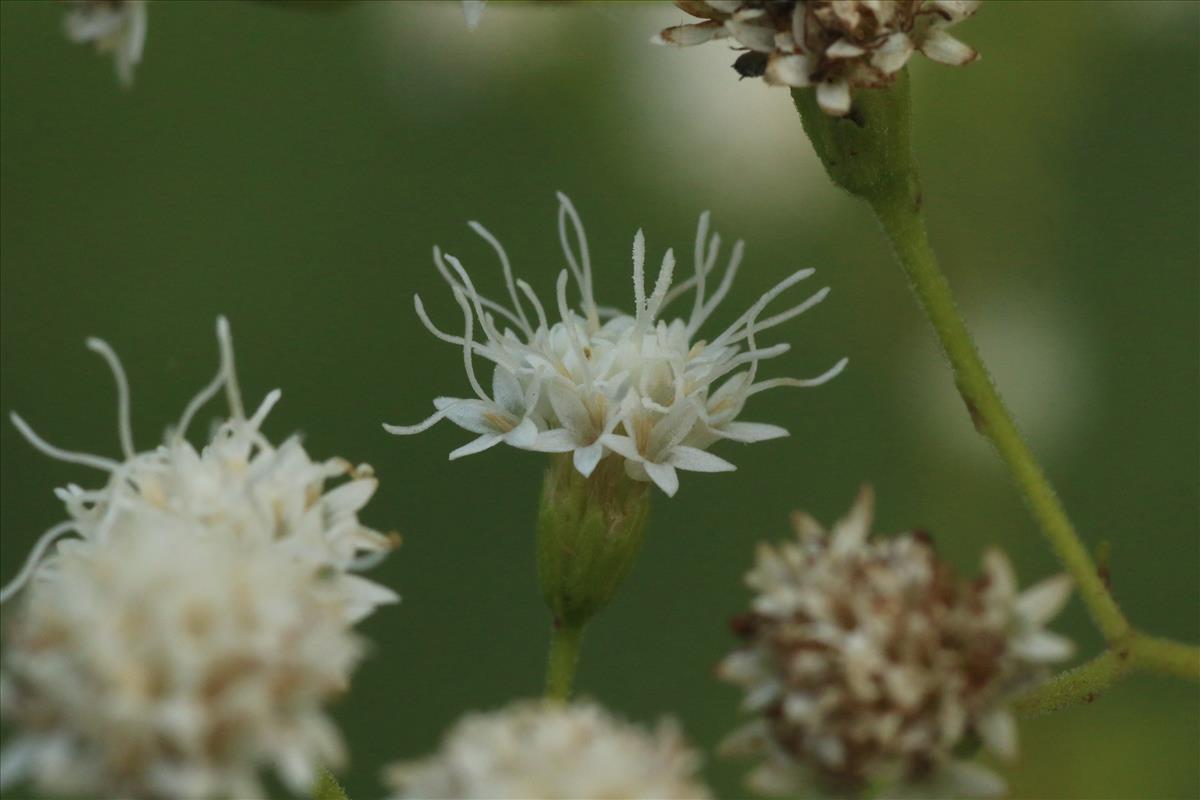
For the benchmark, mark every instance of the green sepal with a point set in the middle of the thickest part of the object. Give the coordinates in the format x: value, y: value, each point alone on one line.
x: 590, y: 531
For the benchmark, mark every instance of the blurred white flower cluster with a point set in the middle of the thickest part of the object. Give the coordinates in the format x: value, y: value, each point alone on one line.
x: 542, y: 749
x: 116, y: 26
x: 868, y: 663
x: 602, y: 382
x: 830, y: 44
x: 194, y: 632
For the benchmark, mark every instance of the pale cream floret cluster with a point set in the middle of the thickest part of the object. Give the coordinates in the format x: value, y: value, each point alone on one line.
x: 115, y: 26
x: 833, y: 45
x: 551, y: 751
x: 162, y: 664
x: 868, y: 662
x: 601, y: 382
x: 247, y: 529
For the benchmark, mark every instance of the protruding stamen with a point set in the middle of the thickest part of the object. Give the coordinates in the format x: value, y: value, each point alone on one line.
x: 225, y: 340
x: 802, y: 383
x: 83, y: 459
x: 639, y: 274
x: 34, y: 559
x: 735, y: 261
x: 124, y: 426
x: 487, y: 236
x: 583, y: 274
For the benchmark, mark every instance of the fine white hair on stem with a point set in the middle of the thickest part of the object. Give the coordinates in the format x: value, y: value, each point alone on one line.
x: 124, y: 425
x: 35, y: 558
x: 83, y: 459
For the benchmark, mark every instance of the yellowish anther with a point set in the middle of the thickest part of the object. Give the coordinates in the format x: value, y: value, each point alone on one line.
x: 501, y: 422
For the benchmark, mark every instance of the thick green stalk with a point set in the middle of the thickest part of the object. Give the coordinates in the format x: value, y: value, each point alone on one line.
x: 869, y: 154
x: 565, y: 643
x: 1085, y: 683
x: 900, y: 215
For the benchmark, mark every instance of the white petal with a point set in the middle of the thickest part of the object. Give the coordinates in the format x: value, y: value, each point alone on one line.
x: 473, y: 11
x: 1038, y: 604
x: 789, y: 70
x: 998, y: 730
x: 555, y: 441
x: 749, y: 31
x: 834, y: 97
x: 523, y: 436
x: 507, y: 392
x: 687, y: 35
x: 349, y: 497
x: 969, y: 779
x: 696, y: 460
x: 664, y: 476
x: 751, y: 432
x: 999, y: 572
x: 477, y: 445
x: 569, y: 409
x: 621, y: 445
x: 1043, y: 646
x: 586, y: 458
x: 893, y: 53
x: 852, y: 530
x: 843, y: 49
x: 468, y: 414
x: 944, y: 48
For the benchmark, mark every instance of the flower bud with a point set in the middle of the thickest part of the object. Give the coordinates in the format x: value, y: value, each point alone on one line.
x: 589, y: 533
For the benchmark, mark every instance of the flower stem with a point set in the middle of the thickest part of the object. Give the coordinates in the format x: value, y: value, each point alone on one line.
x: 1085, y: 683
x: 328, y: 788
x: 900, y: 215
x: 1166, y: 657
x: 565, y: 642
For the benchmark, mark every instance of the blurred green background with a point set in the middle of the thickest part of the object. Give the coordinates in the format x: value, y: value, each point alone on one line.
x: 292, y: 169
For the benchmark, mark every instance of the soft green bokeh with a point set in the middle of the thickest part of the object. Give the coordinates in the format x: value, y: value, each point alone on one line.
x: 293, y: 168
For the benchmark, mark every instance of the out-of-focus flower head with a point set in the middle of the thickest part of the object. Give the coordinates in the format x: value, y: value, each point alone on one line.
x: 116, y: 26
x: 159, y: 663
x: 239, y: 485
x: 600, y: 382
x: 868, y: 662
x: 544, y: 749
x: 191, y: 635
x: 834, y: 45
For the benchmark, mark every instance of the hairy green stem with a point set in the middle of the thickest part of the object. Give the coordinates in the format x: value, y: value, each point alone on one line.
x: 900, y: 215
x: 869, y: 154
x: 1082, y: 684
x: 328, y: 788
x: 1166, y: 657
x: 565, y: 642
x: 1085, y: 683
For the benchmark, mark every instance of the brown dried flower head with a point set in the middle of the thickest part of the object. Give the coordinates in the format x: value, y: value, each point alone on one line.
x: 868, y: 662
x: 833, y: 45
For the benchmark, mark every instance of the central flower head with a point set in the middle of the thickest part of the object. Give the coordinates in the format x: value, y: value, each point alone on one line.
x: 600, y: 382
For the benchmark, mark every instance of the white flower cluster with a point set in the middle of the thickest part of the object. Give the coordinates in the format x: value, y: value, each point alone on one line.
x: 238, y: 501
x: 830, y: 44
x: 159, y: 663
x: 116, y: 26
x: 549, y: 750
x: 868, y: 662
x: 602, y: 382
